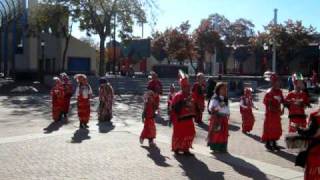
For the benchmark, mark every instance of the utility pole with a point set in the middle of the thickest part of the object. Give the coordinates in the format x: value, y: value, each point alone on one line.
x: 274, y: 48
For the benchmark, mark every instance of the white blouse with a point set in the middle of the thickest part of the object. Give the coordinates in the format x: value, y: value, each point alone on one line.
x: 86, y: 91
x: 221, y: 107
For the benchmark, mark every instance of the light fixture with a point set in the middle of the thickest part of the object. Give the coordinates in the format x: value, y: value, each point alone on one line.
x: 43, y: 43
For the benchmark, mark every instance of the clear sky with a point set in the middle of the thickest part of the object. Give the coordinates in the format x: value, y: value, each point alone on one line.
x: 172, y: 12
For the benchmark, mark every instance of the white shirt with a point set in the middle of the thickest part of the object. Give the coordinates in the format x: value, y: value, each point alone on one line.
x: 221, y: 107
x: 86, y: 91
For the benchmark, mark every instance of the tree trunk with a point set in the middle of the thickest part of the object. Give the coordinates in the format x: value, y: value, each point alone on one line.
x: 102, y: 55
x: 67, y: 35
x: 64, y: 56
x: 194, y: 68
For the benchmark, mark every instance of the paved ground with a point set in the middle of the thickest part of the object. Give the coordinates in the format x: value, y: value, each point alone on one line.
x: 32, y: 147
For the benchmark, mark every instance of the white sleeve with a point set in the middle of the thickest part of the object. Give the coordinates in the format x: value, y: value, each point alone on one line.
x: 242, y: 104
x: 213, y: 103
x: 90, y: 90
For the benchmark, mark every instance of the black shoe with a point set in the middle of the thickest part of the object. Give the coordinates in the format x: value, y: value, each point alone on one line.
x: 177, y: 153
x: 81, y: 126
x: 268, y: 146
x: 85, y: 126
x: 188, y: 153
x: 275, y: 146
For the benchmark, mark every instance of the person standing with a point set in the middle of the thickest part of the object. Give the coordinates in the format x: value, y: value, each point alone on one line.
x: 273, y: 100
x: 296, y: 102
x: 57, y: 99
x: 312, y: 133
x: 246, y: 105
x: 149, y: 129
x: 198, y: 95
x: 218, y: 125
x: 83, y: 95
x: 68, y: 90
x: 106, y: 96
x: 155, y: 85
x: 183, y: 114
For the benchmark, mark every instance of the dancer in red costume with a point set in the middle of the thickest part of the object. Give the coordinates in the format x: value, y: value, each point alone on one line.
x: 219, y: 125
x: 312, y: 163
x: 67, y: 87
x: 57, y: 96
x: 246, y: 105
x: 198, y: 95
x: 149, y: 129
x: 182, y: 118
x: 273, y: 100
x: 296, y: 101
x: 83, y: 95
x: 155, y: 85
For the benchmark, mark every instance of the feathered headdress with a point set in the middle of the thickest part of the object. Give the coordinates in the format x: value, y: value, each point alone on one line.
x: 183, y: 79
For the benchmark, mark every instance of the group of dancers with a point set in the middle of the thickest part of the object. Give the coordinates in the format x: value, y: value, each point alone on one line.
x: 187, y: 106
x: 62, y: 92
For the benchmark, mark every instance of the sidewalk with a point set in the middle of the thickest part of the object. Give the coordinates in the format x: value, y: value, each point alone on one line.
x: 115, y: 155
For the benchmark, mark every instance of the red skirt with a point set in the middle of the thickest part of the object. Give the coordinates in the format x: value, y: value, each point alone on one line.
x: 301, y: 122
x: 247, y: 121
x: 183, y: 135
x: 57, y: 105
x: 84, y: 110
x: 218, y: 130
x: 66, y: 104
x: 272, y: 129
x: 312, y: 171
x: 149, y: 129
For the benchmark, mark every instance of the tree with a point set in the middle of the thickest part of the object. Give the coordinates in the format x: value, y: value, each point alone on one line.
x: 98, y: 17
x: 207, y: 39
x: 291, y: 37
x: 240, y: 32
x: 52, y: 17
x: 158, y: 44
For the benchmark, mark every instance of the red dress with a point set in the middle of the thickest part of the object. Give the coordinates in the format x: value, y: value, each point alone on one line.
x: 218, y: 132
x: 57, y: 95
x: 272, y: 129
x: 182, y: 119
x: 155, y: 86
x: 83, y: 94
x: 246, y: 104
x: 198, y: 95
x: 297, y: 101
x: 67, y: 86
x: 149, y: 129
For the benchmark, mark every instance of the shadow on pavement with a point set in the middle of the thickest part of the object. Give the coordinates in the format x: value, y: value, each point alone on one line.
x: 105, y: 127
x: 195, y: 169
x: 80, y: 135
x: 241, y: 166
x: 54, y: 126
x: 160, y: 120
x: 203, y: 126
x: 285, y: 155
x: 254, y: 137
x: 156, y: 156
x: 233, y: 127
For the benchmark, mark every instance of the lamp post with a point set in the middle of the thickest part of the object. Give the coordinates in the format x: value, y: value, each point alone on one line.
x: 42, y: 44
x: 265, y: 60
x: 274, y: 48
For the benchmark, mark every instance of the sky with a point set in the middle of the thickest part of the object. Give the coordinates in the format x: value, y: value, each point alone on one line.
x: 172, y: 12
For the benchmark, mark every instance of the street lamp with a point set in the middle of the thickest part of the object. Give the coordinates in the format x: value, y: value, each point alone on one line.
x: 265, y: 58
x: 42, y: 44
